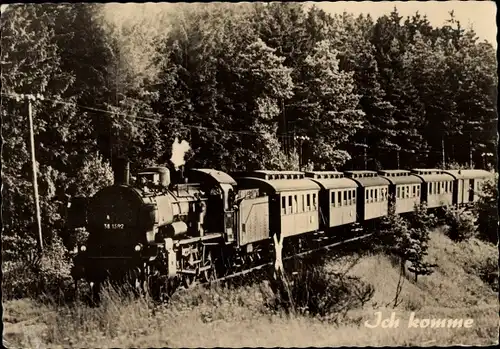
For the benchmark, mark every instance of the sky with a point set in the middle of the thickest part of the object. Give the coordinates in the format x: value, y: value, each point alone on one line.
x: 480, y: 14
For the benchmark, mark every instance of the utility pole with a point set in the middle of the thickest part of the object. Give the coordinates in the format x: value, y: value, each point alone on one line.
x: 442, y: 147
x: 301, y: 140
x: 470, y: 151
x: 364, y: 155
x: 33, y: 166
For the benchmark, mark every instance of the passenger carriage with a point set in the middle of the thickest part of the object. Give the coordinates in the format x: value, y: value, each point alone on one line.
x: 293, y: 200
x: 437, y: 187
x: 372, y: 194
x: 467, y: 185
x: 404, y: 190
x: 337, y: 198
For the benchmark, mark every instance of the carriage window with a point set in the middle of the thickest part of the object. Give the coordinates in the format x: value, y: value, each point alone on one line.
x: 345, y: 197
x: 399, y: 193
x: 350, y: 197
x: 314, y: 201
x: 407, y: 191
x: 339, y: 198
x: 354, y: 197
x: 283, y: 205
x: 366, y: 195
x: 418, y: 190
x: 414, y: 188
x: 308, y: 202
x: 430, y: 188
x: 439, y: 188
x: 303, y: 203
x: 296, y: 206
x: 376, y: 195
x: 333, y: 198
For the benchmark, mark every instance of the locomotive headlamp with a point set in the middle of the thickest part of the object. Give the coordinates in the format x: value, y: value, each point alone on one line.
x: 83, y: 248
x: 138, y: 247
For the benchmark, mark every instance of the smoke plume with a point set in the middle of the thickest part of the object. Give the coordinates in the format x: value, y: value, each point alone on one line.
x: 179, y: 150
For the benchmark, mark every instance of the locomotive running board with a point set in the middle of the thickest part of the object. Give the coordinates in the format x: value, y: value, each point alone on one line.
x: 199, y: 239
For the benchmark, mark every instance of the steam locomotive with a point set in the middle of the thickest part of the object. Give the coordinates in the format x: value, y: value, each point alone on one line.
x: 160, y: 233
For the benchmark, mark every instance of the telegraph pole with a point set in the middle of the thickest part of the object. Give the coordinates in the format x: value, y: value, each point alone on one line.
x: 470, y: 151
x: 364, y: 155
x: 34, y: 172
x: 442, y: 147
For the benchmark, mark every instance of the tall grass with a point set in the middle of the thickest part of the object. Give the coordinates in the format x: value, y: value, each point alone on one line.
x: 325, y: 302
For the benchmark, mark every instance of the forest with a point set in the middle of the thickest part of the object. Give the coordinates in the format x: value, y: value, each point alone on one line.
x: 248, y: 86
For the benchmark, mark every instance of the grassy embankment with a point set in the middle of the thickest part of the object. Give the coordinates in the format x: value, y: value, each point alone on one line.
x: 241, y: 316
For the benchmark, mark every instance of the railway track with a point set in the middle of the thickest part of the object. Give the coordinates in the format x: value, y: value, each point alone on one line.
x: 267, y: 264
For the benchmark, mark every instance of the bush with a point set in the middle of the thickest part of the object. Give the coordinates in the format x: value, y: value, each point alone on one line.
x: 461, y: 224
x: 486, y: 209
x: 408, y: 238
x: 35, y: 277
x: 315, y: 291
x: 488, y: 272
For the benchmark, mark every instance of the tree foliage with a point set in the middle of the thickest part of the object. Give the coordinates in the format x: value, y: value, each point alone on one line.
x: 486, y: 209
x: 461, y: 223
x: 408, y: 238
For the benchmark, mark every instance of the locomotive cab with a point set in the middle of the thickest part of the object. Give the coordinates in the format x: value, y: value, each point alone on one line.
x: 153, y: 179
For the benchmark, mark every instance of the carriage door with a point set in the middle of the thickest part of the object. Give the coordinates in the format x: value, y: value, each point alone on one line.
x: 230, y: 218
x: 230, y: 225
x: 471, y: 190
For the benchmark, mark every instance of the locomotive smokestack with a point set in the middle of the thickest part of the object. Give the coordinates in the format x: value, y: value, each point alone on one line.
x: 121, y: 171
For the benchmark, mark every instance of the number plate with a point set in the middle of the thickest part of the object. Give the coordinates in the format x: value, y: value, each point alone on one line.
x: 114, y: 226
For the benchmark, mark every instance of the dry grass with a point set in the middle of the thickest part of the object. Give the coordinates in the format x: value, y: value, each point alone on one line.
x: 238, y: 316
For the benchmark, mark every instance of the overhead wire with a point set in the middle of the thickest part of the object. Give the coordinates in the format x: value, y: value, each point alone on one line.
x: 120, y: 113
x: 284, y: 136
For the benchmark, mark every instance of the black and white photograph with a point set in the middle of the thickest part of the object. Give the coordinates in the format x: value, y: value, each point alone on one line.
x: 249, y: 174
